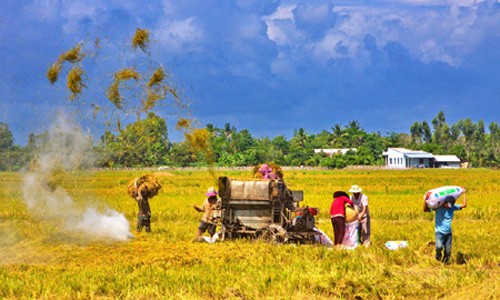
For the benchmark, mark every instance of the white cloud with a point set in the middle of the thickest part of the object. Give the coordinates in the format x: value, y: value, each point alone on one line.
x: 75, y: 11
x: 179, y: 35
x: 280, y: 25
x: 314, y: 13
x: 437, y: 2
x: 443, y: 31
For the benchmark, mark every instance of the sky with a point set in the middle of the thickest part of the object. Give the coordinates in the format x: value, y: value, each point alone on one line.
x: 271, y: 67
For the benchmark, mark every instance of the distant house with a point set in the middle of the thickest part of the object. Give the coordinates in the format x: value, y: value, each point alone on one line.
x: 447, y: 161
x: 332, y: 152
x: 401, y: 158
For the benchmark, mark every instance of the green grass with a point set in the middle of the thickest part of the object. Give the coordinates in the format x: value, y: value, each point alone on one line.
x: 40, y: 260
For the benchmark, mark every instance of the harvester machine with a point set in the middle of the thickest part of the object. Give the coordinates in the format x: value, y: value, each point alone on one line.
x: 266, y: 210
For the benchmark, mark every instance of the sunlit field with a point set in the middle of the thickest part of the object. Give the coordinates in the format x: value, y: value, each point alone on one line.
x: 39, y: 259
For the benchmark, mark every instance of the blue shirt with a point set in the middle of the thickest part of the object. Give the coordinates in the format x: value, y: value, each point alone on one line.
x: 443, y: 218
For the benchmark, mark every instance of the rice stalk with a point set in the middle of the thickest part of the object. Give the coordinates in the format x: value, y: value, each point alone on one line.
x: 199, y: 142
x: 113, y: 94
x: 198, y: 138
x: 95, y: 110
x: 173, y: 92
x: 153, y: 96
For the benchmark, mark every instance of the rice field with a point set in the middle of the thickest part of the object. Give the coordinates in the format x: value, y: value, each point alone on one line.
x: 40, y: 259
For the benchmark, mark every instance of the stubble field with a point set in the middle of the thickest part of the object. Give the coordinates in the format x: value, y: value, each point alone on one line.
x: 41, y: 259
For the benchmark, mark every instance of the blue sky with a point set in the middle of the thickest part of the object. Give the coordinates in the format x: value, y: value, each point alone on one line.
x: 267, y: 66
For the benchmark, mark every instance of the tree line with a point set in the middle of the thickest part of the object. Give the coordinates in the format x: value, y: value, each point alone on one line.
x: 145, y: 143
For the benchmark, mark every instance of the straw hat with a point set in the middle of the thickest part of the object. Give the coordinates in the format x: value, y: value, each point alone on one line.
x: 355, y: 189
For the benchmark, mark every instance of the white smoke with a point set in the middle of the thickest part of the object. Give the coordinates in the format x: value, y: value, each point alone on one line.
x: 108, y: 225
x: 67, y: 148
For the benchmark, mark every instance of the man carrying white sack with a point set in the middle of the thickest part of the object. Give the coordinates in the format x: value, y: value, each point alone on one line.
x: 360, y: 200
x: 444, y: 216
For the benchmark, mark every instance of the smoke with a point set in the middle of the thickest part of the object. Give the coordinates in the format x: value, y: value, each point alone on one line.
x: 67, y: 149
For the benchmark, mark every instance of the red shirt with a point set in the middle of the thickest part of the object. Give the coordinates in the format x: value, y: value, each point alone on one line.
x: 338, y: 206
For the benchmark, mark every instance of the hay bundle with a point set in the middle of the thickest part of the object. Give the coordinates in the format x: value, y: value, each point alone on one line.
x: 114, y: 89
x: 73, y: 55
x: 351, y: 213
x: 157, y: 89
x: 140, y: 39
x: 276, y: 169
x: 75, y: 82
x: 147, y: 185
x: 53, y: 72
x: 157, y: 77
x: 126, y: 74
x: 182, y: 123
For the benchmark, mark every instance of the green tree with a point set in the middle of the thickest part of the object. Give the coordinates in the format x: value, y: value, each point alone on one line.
x: 300, y: 148
x: 354, y: 135
x: 6, y: 138
x: 7, y: 156
x: 180, y: 155
x: 416, y: 132
x: 427, y: 137
x: 495, y: 143
x: 441, y: 130
x: 143, y: 143
x: 280, y: 148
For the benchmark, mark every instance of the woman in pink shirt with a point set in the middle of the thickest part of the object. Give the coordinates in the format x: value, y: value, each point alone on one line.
x: 337, y: 213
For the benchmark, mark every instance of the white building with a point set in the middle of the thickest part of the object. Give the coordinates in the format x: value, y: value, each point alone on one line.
x: 332, y: 152
x: 401, y: 158
x: 447, y: 161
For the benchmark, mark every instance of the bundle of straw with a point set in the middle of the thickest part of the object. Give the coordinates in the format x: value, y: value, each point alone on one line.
x: 140, y: 39
x: 73, y: 55
x: 75, y: 82
x: 147, y: 185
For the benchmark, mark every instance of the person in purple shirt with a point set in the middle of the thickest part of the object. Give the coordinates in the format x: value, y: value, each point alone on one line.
x: 442, y: 229
x: 267, y: 172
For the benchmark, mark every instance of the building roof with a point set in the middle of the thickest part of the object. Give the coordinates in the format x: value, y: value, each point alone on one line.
x: 446, y: 158
x: 422, y: 154
x: 411, y: 153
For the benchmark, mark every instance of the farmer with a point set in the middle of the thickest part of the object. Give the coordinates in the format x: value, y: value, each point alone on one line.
x: 361, y: 202
x: 337, y: 214
x: 444, y: 216
x: 142, y: 189
x: 267, y: 172
x: 210, y: 209
x: 144, y: 215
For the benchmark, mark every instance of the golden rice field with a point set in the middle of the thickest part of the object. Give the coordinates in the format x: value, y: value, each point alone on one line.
x: 40, y: 260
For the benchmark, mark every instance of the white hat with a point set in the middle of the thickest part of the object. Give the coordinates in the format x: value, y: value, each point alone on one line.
x: 355, y: 189
x: 211, y: 192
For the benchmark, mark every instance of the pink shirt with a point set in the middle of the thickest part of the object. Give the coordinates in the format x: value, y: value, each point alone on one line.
x: 338, y: 206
